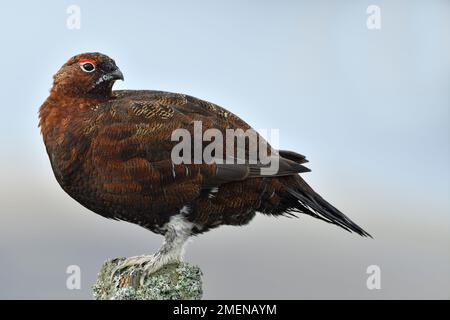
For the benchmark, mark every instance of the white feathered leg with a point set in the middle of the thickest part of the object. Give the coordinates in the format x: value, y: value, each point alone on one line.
x: 178, y: 230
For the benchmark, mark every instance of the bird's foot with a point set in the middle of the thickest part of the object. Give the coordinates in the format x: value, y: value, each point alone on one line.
x: 136, y: 261
x: 149, y: 263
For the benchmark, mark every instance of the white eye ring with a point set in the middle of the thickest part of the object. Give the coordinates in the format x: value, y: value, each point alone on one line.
x: 87, y: 67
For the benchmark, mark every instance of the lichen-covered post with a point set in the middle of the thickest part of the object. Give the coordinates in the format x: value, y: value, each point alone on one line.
x: 172, y: 282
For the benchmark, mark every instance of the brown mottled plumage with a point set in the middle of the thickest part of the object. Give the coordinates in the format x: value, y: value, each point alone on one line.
x: 111, y: 152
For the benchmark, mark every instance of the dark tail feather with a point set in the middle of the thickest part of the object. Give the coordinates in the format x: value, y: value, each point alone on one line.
x: 309, y: 202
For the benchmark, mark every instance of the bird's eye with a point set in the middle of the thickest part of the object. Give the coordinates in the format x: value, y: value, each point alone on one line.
x: 87, y: 67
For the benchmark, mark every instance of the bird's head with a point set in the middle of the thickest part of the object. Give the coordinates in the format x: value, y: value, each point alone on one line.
x: 87, y: 75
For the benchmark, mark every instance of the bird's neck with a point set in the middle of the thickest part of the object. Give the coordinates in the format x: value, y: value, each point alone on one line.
x: 68, y: 90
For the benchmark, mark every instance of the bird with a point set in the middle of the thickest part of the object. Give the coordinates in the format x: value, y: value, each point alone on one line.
x: 112, y: 151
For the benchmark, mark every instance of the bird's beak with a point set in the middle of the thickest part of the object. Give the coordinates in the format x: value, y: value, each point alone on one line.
x: 116, y: 75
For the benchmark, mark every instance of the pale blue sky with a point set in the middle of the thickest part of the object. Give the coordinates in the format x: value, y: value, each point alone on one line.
x: 370, y: 109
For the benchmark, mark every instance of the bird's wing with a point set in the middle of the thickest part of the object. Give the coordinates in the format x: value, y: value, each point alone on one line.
x: 134, y: 141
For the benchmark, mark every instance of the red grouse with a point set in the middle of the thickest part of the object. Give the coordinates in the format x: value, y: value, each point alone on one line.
x: 112, y: 151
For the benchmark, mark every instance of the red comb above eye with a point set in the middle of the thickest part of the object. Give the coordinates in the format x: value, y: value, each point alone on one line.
x: 87, y: 60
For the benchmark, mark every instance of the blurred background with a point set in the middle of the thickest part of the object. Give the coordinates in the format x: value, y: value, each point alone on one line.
x: 369, y: 108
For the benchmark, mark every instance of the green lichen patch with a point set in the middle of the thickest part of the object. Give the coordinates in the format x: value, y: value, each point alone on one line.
x: 172, y: 282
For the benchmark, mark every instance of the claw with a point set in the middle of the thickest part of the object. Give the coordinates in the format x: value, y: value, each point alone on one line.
x: 151, y: 267
x: 142, y: 280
